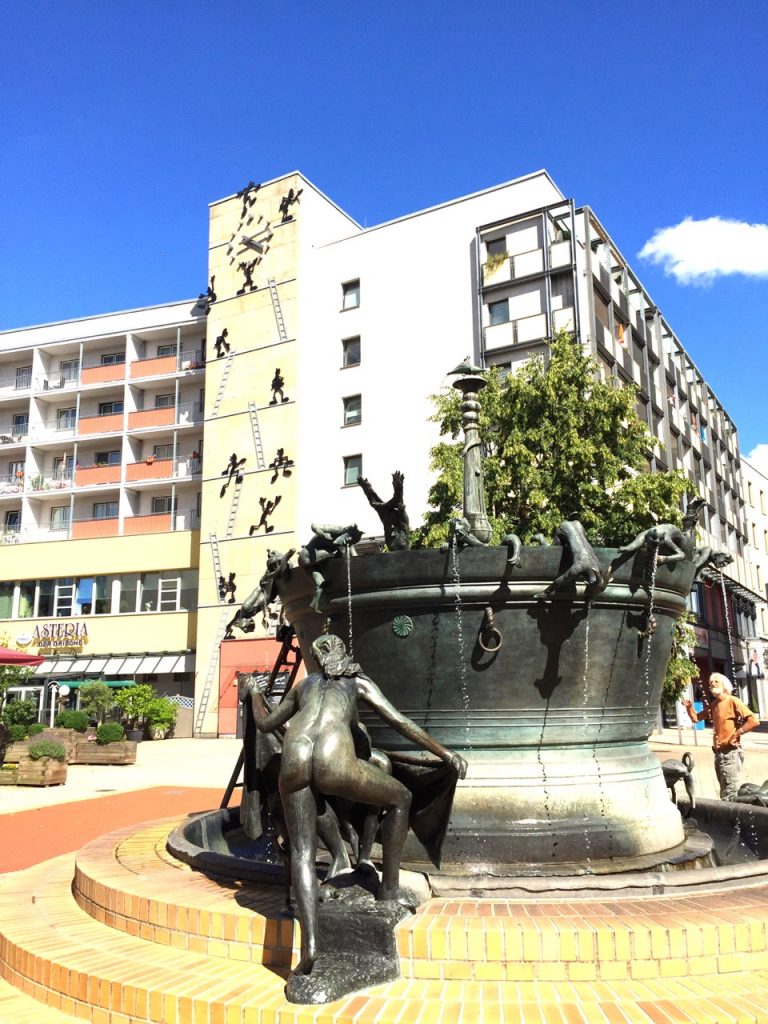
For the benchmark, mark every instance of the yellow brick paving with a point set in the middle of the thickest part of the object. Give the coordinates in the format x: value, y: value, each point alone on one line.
x: 140, y: 937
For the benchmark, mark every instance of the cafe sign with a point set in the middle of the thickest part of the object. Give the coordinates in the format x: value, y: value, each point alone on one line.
x: 56, y: 637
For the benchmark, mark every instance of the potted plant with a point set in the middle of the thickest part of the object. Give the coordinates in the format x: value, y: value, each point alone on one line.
x: 45, y: 765
x: 161, y: 717
x: 134, y: 701
x: 96, y: 698
x: 111, y: 747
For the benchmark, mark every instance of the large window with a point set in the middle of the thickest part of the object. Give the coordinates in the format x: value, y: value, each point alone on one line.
x: 353, y: 468
x: 163, y: 451
x: 69, y: 369
x: 161, y: 504
x: 60, y: 517
x: 498, y: 312
x: 66, y: 419
x: 350, y: 348
x: 353, y: 410
x: 23, y: 377
x: 6, y: 599
x: 111, y: 458
x: 110, y: 408
x: 350, y: 294
x: 166, y: 350
x: 165, y: 401
x: 105, y: 510
x: 21, y: 423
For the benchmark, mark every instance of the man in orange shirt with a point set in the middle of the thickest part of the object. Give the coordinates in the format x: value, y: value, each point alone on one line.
x: 730, y: 718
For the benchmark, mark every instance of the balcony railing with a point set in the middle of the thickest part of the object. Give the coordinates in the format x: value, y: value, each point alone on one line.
x: 12, y: 483
x: 102, y: 374
x: 162, y: 469
x: 58, y: 481
x: 152, y: 367
x: 87, y: 476
x: 84, y: 528
x: 187, y: 413
x: 516, y: 332
x: 109, y: 424
x: 14, y: 433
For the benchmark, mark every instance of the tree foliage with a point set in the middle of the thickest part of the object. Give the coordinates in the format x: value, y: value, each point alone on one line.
x: 557, y: 439
x: 681, y: 668
x: 96, y: 698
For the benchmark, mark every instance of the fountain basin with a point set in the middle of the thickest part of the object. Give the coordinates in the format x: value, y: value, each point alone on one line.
x: 554, y: 723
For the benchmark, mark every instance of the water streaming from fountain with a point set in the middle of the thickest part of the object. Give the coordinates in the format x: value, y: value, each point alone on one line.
x: 585, y: 717
x: 350, y: 639
x: 649, y: 632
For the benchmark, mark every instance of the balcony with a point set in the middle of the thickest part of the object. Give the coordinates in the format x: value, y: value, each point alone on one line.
x: 110, y: 424
x: 56, y: 381
x: 87, y: 476
x: 186, y: 414
x: 42, y: 482
x: 156, y: 522
x: 152, y: 367
x: 516, y: 332
x: 161, y: 469
x: 14, y: 432
x: 513, y: 267
x: 13, y: 385
x: 86, y: 528
x: 13, y: 483
x: 102, y: 374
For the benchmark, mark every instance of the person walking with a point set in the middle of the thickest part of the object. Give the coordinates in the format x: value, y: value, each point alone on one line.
x: 730, y: 718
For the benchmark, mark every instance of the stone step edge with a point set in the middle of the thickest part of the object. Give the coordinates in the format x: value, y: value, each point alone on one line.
x: 404, y: 993
x: 690, y: 948
x: 23, y: 1006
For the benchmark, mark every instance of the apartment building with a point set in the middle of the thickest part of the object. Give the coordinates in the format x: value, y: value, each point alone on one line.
x: 101, y: 442
x: 207, y: 441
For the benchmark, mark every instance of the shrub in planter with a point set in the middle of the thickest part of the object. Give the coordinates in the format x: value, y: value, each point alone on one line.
x: 18, y: 733
x: 35, y: 729
x: 20, y: 712
x: 77, y: 720
x: 161, y: 716
x: 96, y: 698
x: 110, y: 732
x: 134, y: 701
x: 46, y: 748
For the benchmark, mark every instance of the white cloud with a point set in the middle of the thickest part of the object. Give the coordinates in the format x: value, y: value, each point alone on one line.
x: 759, y: 458
x: 698, y: 251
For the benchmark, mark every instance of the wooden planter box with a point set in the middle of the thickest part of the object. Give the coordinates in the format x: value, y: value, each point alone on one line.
x: 8, y: 777
x: 45, y: 772
x: 16, y: 752
x: 110, y: 753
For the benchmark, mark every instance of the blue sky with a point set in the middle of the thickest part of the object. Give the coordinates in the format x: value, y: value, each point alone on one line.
x: 122, y: 121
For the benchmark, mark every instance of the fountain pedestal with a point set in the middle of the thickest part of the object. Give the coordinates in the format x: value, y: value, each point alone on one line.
x: 554, y: 724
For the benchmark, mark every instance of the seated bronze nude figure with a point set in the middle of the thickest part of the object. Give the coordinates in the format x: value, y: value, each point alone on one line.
x: 319, y: 760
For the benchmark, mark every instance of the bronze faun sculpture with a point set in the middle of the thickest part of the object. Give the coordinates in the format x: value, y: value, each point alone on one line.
x: 319, y: 760
x: 394, y: 518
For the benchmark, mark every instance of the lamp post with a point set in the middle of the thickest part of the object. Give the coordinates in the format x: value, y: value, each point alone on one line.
x: 470, y: 384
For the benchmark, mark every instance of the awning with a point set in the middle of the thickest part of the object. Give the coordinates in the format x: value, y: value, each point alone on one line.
x: 113, y: 665
x: 11, y: 657
x: 75, y: 684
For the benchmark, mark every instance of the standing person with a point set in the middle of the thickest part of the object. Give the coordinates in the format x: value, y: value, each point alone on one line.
x: 730, y: 718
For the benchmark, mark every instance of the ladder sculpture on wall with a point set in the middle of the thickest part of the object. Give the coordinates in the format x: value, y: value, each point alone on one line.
x: 213, y: 668
x: 223, y: 382
x: 281, y: 331
x: 234, y: 507
x: 217, y: 573
x: 288, y: 647
x: 256, y: 431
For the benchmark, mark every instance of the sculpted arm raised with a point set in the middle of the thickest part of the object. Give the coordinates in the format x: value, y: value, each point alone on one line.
x: 369, y: 692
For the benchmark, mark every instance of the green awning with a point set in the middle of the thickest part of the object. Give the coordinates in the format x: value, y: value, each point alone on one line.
x: 74, y: 684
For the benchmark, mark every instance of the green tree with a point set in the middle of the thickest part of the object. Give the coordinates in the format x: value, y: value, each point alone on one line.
x: 96, y: 698
x: 681, y: 668
x: 12, y: 675
x: 557, y: 439
x: 134, y: 701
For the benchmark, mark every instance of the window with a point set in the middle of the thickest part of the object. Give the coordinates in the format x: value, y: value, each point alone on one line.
x: 350, y: 348
x: 163, y: 451
x: 101, y: 596
x: 64, y: 596
x: 111, y: 358
x: 107, y: 458
x: 165, y: 401
x: 69, y: 369
x: 166, y: 350
x: 161, y: 505
x: 498, y: 312
x: 496, y: 246
x: 26, y: 599
x: 12, y: 520
x: 60, y: 517
x: 168, y: 593
x: 16, y: 471
x: 105, y: 510
x: 350, y: 294
x: 45, y: 597
x: 6, y: 600
x: 110, y: 408
x: 23, y: 377
x: 66, y: 419
x: 353, y: 410
x: 353, y: 468
x: 21, y: 423
x: 63, y: 466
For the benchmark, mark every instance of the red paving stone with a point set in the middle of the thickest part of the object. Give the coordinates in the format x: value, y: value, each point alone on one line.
x: 29, y: 837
